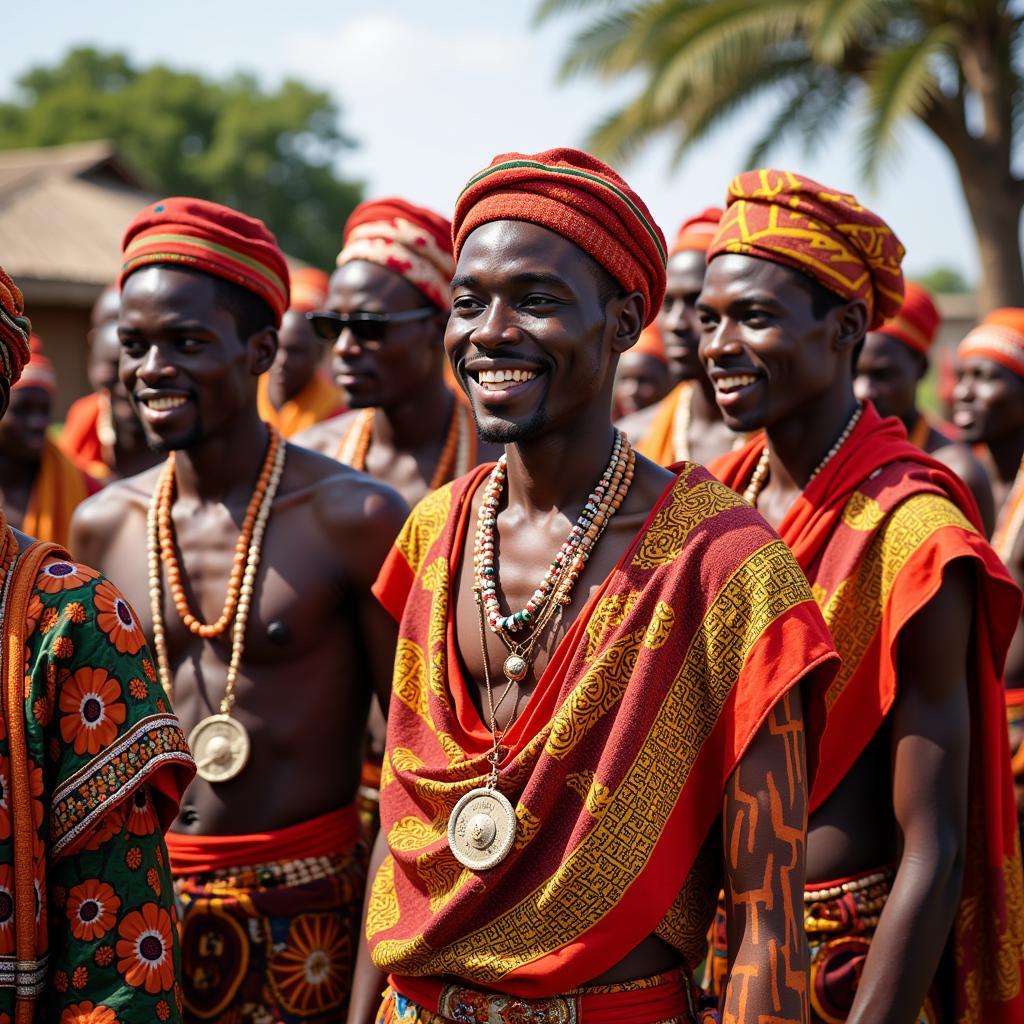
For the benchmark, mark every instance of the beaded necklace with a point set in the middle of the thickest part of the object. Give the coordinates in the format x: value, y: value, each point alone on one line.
x: 757, y: 481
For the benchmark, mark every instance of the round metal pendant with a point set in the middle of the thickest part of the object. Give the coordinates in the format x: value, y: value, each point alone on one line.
x: 482, y: 829
x: 220, y: 746
x: 515, y: 668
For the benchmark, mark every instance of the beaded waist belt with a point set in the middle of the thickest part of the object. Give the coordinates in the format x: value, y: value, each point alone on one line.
x: 663, y: 997
x: 848, y: 905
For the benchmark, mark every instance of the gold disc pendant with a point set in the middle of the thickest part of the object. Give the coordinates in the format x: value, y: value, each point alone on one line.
x: 515, y: 668
x: 482, y: 829
x: 220, y: 746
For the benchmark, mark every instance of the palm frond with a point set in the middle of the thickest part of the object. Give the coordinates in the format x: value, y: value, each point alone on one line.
x: 606, y: 47
x: 900, y: 82
x: 548, y: 9
x: 838, y: 22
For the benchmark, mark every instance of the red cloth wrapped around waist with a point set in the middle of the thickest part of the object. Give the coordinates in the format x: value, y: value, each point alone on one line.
x: 661, y: 998
x: 333, y: 832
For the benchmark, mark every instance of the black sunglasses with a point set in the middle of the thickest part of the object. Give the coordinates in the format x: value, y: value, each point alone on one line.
x: 365, y: 326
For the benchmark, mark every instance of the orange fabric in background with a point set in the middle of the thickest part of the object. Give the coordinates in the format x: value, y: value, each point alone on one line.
x: 80, y: 440
x: 59, y: 489
x: 658, y: 443
x: 618, y: 762
x: 838, y: 530
x: 319, y: 400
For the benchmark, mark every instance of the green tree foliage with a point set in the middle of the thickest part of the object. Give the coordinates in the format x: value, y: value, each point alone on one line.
x: 269, y: 153
x: 943, y: 281
x: 951, y: 64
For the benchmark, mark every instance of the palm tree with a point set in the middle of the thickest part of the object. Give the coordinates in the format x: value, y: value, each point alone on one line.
x: 952, y: 64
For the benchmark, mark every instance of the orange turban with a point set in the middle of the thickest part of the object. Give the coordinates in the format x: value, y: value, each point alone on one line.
x: 15, y: 329
x: 581, y: 199
x: 999, y: 337
x: 917, y: 322
x: 828, y: 235
x: 309, y: 289
x: 38, y: 372
x: 214, y: 239
x: 695, y: 234
x: 410, y: 240
x: 650, y: 343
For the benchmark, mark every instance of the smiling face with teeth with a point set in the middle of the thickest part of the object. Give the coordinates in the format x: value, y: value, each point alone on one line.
x: 192, y: 349
x: 774, y: 348
x: 535, y: 332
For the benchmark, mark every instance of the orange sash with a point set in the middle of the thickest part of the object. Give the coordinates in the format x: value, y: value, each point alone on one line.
x: 59, y: 489
x: 658, y: 443
x: 874, y: 532
x: 616, y: 767
x: 80, y: 439
x: 318, y: 400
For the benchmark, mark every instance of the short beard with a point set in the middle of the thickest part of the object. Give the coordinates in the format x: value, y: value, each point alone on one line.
x: 512, y: 433
x: 177, y: 444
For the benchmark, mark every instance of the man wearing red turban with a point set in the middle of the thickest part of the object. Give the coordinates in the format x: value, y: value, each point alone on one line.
x: 686, y: 424
x: 891, y: 364
x: 256, y: 588
x: 385, y: 313
x: 93, y: 763
x: 296, y: 393
x: 912, y: 838
x: 574, y: 744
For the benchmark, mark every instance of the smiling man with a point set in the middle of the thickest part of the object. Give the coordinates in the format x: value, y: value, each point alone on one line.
x: 911, y: 836
x: 260, y: 561
x: 686, y: 424
x: 386, y: 310
x: 594, y: 718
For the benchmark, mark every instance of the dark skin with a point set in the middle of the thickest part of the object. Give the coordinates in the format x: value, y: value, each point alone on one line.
x: 131, y: 453
x: 988, y: 407
x: 642, y: 381
x: 525, y: 298
x: 299, y: 354
x: 888, y: 374
x: 680, y: 332
x: 401, y: 378
x: 760, y: 327
x: 313, y: 624
x: 22, y: 434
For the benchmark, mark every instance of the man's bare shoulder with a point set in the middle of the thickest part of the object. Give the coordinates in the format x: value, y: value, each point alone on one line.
x: 325, y: 436
x: 636, y: 424
x: 962, y: 461
x: 100, y: 515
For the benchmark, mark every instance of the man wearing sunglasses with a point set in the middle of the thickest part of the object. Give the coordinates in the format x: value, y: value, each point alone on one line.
x: 387, y: 310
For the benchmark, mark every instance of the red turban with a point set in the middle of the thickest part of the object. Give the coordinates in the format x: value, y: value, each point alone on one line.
x: 410, y: 240
x: 214, y: 239
x: 828, y: 235
x: 309, y: 289
x: 997, y: 338
x: 15, y: 328
x: 695, y: 234
x: 38, y: 372
x: 917, y: 322
x: 581, y: 199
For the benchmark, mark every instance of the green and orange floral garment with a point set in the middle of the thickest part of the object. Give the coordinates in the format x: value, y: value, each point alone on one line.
x: 91, y: 770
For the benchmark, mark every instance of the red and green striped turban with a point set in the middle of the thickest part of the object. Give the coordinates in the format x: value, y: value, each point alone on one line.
x: 825, y: 234
x: 580, y: 198
x: 214, y: 239
x: 15, y: 329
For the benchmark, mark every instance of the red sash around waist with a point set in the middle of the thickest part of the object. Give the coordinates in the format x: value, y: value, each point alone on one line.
x: 333, y: 832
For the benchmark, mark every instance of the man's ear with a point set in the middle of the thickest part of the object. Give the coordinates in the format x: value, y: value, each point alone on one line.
x: 5, y: 396
x: 849, y: 324
x: 626, y: 313
x: 262, y: 347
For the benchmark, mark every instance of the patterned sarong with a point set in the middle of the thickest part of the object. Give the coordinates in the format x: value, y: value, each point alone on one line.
x: 669, y: 998
x: 874, y: 532
x: 617, y: 765
x: 273, y: 941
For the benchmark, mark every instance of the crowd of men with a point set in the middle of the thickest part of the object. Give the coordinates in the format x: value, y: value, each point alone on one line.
x: 532, y: 621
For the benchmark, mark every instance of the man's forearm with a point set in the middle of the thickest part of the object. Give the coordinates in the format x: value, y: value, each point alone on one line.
x: 367, y: 980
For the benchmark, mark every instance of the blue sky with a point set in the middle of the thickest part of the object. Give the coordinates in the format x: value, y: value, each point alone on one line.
x: 433, y: 91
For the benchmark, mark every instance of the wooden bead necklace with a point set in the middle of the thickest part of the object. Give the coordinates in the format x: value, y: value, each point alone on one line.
x: 219, y: 742
x: 458, y: 456
x: 757, y: 481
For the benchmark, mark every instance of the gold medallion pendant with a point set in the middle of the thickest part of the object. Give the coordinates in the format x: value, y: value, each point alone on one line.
x: 220, y: 746
x: 482, y: 829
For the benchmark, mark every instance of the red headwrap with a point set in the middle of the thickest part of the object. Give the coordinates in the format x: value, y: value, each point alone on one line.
x: 15, y: 328
x: 410, y: 240
x: 38, y: 372
x: 695, y: 234
x: 576, y: 196
x: 214, y: 239
x: 309, y: 289
x: 917, y: 322
x: 1008, y: 316
x: 828, y: 235
x: 995, y: 341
